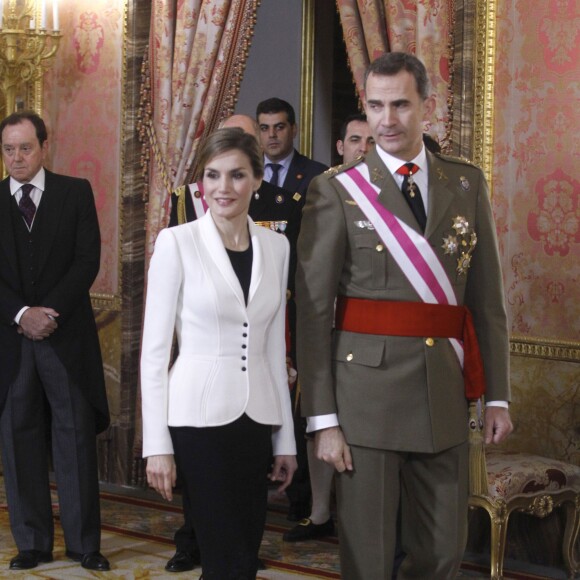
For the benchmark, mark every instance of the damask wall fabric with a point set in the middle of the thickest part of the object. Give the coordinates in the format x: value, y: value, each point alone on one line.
x: 536, y: 158
x: 422, y: 27
x: 536, y: 200
x: 82, y: 107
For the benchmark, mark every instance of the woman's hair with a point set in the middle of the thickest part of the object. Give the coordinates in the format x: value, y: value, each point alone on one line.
x: 229, y: 139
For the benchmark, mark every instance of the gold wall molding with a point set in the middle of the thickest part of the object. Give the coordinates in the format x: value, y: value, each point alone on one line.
x: 105, y: 301
x: 551, y: 349
x: 484, y: 70
x: 307, y: 78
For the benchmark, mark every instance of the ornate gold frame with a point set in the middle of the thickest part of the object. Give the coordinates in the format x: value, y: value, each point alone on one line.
x: 484, y: 70
x: 103, y: 301
x: 307, y: 78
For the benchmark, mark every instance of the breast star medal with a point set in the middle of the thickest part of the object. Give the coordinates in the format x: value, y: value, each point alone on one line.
x: 460, y: 242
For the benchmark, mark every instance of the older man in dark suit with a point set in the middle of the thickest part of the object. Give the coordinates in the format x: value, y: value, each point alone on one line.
x: 49, y: 350
x: 401, y: 244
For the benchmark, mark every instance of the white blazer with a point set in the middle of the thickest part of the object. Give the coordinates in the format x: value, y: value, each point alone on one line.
x: 232, y: 358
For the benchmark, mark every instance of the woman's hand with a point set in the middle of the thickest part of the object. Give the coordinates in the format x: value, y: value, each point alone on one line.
x: 283, y: 470
x: 162, y: 474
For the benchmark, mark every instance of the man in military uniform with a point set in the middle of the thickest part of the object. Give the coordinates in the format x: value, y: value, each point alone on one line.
x: 402, y: 243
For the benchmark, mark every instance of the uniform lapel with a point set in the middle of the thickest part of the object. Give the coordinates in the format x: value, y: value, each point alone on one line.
x: 390, y: 196
x: 440, y: 194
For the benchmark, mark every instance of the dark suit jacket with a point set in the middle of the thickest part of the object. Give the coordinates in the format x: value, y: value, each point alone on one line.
x: 390, y: 392
x: 300, y: 173
x: 69, y: 260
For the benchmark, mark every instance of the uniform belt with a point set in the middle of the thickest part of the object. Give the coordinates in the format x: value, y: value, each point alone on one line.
x: 391, y: 318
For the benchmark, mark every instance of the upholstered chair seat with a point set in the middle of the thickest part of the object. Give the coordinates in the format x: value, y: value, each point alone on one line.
x: 534, y: 485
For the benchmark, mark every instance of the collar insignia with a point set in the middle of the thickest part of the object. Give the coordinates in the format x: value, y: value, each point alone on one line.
x: 376, y: 174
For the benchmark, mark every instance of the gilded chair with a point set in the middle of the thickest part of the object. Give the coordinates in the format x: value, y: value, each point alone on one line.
x: 503, y: 482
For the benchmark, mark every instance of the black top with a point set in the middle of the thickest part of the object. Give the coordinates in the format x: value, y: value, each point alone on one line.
x: 242, y: 265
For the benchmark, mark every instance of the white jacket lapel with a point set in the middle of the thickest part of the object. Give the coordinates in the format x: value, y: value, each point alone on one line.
x: 217, y: 253
x: 257, y: 261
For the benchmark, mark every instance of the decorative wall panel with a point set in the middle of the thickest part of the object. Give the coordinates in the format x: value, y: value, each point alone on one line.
x: 83, y: 105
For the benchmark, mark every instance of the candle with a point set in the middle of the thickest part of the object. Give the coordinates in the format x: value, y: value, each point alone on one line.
x: 43, y: 15
x: 32, y: 24
x: 55, y: 14
x: 1, y: 13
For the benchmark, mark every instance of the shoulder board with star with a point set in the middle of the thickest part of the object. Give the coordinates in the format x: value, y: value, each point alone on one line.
x: 332, y: 171
x: 453, y: 159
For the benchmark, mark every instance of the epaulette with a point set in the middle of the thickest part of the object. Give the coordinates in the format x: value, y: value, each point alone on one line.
x: 454, y: 159
x: 332, y: 171
x: 181, y: 209
x: 180, y: 190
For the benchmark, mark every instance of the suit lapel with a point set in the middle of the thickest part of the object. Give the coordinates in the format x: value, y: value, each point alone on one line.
x: 440, y: 195
x: 7, y: 241
x: 53, y: 207
x: 295, y: 173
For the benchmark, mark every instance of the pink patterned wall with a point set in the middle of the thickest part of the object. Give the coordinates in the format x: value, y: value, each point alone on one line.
x: 536, y: 176
x: 82, y: 107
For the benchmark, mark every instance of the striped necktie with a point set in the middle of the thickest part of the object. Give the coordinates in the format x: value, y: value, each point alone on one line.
x: 26, y: 205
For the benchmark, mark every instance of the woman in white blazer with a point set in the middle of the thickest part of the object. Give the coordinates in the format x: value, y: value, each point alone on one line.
x: 219, y: 284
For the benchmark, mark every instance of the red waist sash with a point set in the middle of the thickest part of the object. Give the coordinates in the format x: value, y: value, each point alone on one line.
x: 388, y: 318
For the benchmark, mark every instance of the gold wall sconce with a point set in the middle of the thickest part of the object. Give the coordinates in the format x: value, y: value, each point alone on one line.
x: 27, y: 48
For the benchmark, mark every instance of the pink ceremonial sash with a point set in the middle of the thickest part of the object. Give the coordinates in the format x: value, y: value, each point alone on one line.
x: 412, y: 252
x: 199, y: 203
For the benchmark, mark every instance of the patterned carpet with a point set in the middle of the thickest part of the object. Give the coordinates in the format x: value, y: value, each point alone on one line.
x: 137, y: 539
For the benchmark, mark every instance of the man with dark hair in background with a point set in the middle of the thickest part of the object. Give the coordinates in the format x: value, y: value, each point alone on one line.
x: 286, y: 167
